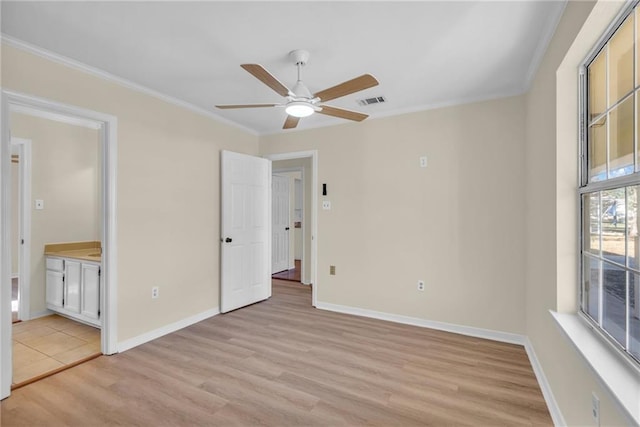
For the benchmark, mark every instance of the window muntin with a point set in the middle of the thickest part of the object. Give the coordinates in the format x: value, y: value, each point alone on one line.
x: 610, y: 245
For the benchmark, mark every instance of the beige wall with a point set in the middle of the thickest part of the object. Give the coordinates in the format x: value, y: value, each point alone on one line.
x: 305, y: 164
x: 65, y: 174
x: 551, y: 179
x: 168, y: 190
x: 457, y: 224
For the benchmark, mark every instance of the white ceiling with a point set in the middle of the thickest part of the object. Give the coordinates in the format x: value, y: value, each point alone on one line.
x: 424, y: 53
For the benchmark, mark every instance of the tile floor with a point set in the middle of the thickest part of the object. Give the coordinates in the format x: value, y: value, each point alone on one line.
x: 49, y: 343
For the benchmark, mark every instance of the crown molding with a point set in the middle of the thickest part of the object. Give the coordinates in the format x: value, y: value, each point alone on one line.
x: 96, y: 72
x: 543, y: 46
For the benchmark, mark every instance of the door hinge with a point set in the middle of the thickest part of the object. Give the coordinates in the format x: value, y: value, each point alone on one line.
x: 99, y: 271
x: 98, y: 313
x: 22, y: 241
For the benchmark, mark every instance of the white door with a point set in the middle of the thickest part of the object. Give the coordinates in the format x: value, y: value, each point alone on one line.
x: 245, y: 230
x: 90, y: 290
x: 279, y: 223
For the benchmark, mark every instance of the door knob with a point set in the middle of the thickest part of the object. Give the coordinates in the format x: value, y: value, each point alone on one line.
x: 286, y: 229
x: 228, y: 240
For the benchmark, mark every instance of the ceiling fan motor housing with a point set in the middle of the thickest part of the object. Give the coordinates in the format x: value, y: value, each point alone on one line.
x: 299, y: 56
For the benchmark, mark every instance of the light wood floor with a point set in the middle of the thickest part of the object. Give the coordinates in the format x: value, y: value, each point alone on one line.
x: 48, y: 344
x: 283, y: 363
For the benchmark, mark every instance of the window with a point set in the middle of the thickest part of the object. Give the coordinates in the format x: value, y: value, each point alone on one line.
x: 610, y: 185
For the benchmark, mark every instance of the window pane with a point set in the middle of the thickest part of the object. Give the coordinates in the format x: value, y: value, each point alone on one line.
x: 633, y: 249
x: 597, y: 76
x: 621, y: 139
x: 634, y: 315
x: 614, y: 308
x: 591, y: 222
x: 613, y: 225
x: 621, y: 62
x: 590, y: 293
x: 598, y: 150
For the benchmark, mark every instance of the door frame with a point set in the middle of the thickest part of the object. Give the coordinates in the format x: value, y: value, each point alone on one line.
x: 107, y: 126
x: 313, y: 154
x: 304, y: 225
x: 24, y: 227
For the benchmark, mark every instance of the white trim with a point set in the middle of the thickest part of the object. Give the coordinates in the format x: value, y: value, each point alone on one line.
x: 408, y: 110
x: 77, y: 65
x: 38, y: 314
x: 543, y: 44
x: 108, y: 126
x: 614, y: 373
x: 167, y: 329
x: 547, y: 393
x: 6, y: 357
x: 490, y: 334
x: 313, y: 154
x: 50, y: 115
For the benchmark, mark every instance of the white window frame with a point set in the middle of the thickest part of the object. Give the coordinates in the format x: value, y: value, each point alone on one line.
x: 585, y: 187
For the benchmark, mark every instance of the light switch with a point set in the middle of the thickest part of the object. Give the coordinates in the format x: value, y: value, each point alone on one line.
x: 326, y: 205
x: 39, y: 204
x: 423, y: 161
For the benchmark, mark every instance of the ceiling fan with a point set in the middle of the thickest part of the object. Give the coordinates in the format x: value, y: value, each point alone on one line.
x: 299, y: 101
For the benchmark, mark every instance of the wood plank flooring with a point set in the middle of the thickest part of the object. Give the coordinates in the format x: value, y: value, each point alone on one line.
x: 283, y: 363
x: 293, y: 275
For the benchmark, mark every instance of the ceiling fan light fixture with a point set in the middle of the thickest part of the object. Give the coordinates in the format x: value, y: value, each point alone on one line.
x: 299, y: 109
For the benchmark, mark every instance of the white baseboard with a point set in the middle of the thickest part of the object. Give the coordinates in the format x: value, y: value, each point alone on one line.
x: 167, y: 329
x: 431, y: 324
x: 35, y: 315
x: 554, y: 409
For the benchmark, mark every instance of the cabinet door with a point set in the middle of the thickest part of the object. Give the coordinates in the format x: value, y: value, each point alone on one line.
x: 91, y: 290
x: 72, y: 285
x: 55, y: 286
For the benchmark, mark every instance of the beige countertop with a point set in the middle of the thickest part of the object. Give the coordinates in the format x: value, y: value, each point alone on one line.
x: 85, y: 251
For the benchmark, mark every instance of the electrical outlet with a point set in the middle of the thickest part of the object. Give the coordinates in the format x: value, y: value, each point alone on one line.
x: 423, y: 161
x: 332, y: 270
x: 155, y: 292
x: 421, y: 285
x: 595, y: 408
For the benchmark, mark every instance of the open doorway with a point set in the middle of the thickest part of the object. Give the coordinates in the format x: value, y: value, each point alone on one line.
x: 60, y: 233
x: 288, y: 217
x: 300, y: 167
x: 61, y: 293
x: 20, y: 228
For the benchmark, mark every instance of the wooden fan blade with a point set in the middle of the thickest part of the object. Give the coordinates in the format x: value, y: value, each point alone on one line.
x: 226, y: 107
x: 291, y: 122
x: 344, y: 114
x: 363, y: 82
x: 267, y: 78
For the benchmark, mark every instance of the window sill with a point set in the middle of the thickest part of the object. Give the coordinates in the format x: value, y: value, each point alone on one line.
x: 616, y: 374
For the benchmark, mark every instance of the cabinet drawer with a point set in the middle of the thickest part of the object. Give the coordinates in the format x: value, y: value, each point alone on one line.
x: 54, y: 264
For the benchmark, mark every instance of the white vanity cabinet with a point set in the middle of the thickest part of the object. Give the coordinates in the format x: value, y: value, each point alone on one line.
x: 73, y: 288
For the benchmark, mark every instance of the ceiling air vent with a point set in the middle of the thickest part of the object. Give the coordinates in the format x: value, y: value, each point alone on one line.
x: 374, y: 100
